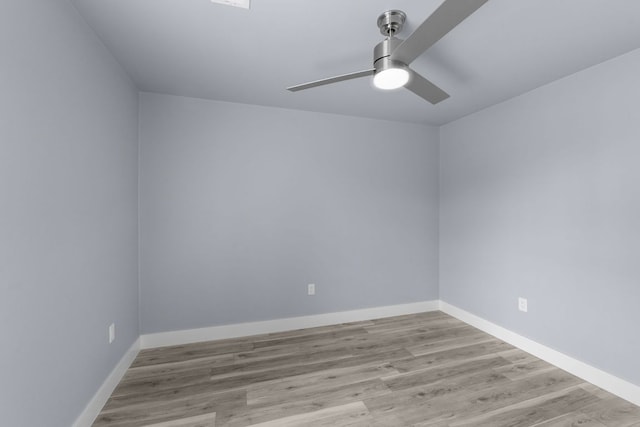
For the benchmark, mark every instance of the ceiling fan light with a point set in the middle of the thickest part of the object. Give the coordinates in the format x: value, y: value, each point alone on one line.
x: 391, y: 78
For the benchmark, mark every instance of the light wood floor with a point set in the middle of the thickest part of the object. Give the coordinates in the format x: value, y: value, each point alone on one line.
x: 427, y: 369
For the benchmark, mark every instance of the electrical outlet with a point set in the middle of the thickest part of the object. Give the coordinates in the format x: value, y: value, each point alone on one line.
x: 112, y: 332
x: 522, y: 304
x: 311, y: 289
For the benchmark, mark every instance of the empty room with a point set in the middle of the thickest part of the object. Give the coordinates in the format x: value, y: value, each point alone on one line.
x: 280, y: 213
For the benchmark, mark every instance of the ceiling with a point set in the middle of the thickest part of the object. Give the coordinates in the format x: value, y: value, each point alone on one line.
x: 200, y: 49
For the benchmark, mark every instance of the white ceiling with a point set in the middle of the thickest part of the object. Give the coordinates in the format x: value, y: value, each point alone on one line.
x: 200, y: 49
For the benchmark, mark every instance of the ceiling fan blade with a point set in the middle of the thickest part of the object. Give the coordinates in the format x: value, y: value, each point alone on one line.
x: 444, y: 19
x: 330, y: 80
x: 425, y: 89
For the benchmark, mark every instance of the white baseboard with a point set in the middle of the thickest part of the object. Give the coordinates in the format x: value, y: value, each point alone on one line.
x: 162, y: 339
x: 93, y: 408
x: 604, y: 380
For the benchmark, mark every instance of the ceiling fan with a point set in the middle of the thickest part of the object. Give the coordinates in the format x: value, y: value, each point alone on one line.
x: 392, y: 56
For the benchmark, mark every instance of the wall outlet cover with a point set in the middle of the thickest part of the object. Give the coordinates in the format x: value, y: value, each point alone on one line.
x: 311, y: 289
x: 112, y: 332
x: 522, y: 304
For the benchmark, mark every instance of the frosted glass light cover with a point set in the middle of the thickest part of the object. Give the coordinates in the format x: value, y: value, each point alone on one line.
x: 391, y: 78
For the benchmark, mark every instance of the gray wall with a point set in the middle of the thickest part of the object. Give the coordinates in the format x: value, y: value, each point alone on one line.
x: 243, y: 206
x: 540, y: 198
x: 68, y: 213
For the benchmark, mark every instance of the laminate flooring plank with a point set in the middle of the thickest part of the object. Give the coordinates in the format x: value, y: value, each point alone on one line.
x: 158, y: 412
x: 318, y: 330
x: 309, y: 401
x: 175, y: 380
x: 322, y: 343
x: 410, y: 322
x: 340, y: 333
x: 389, y: 340
x: 533, y: 412
x: 185, y: 352
x: 597, y: 391
x: 290, y: 388
x: 574, y: 419
x: 349, y: 415
x: 417, y: 317
x: 441, y: 335
x: 271, y: 352
x: 345, y: 344
x: 226, y: 398
x: 614, y: 412
x: 386, y: 421
x: 206, y: 420
x: 518, y: 371
x: 450, y: 344
x: 286, y: 360
x: 243, y: 417
x: 448, y: 408
x: 361, y: 339
x: 467, y: 353
x: 419, y: 397
x: 170, y: 374
x: 517, y: 356
x: 432, y: 374
x: 145, y: 371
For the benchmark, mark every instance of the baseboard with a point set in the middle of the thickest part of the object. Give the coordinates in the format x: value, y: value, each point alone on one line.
x: 280, y: 325
x: 604, y: 380
x: 93, y: 408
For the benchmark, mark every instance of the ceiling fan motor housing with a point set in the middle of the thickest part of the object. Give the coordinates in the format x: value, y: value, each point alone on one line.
x: 381, y: 54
